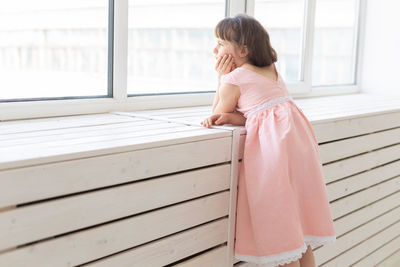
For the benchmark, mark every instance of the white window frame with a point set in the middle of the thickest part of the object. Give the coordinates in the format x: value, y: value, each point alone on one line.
x: 121, y: 102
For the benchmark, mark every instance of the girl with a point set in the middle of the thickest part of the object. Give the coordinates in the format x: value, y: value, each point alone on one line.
x: 282, y: 209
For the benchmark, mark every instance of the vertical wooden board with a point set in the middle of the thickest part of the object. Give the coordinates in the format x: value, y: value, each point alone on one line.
x: 46, y: 219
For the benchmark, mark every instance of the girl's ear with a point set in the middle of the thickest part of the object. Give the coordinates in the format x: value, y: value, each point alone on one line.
x: 244, y: 51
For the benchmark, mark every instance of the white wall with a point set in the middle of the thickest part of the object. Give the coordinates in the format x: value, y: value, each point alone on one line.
x: 381, y: 55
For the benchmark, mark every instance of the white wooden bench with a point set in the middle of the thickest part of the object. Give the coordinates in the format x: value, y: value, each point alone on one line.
x: 154, y: 188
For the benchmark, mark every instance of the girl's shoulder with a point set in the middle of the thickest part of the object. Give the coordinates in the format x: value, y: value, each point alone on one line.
x: 234, y: 77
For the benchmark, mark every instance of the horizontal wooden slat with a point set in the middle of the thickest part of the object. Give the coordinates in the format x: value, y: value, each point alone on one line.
x: 107, y: 239
x: 358, y: 235
x: 363, y: 180
x: 213, y: 258
x: 55, y: 136
x: 391, y: 261
x: 171, y: 249
x: 23, y: 185
x: 349, y: 166
x: 12, y: 159
x: 365, y: 197
x: 362, y: 250
x: 46, y: 219
x: 357, y: 145
x: 61, y: 123
x: 339, y: 129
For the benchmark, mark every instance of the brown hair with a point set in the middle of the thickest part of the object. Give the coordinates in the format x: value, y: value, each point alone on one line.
x: 246, y: 30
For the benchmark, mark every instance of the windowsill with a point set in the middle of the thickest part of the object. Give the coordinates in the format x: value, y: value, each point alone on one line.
x: 37, y: 141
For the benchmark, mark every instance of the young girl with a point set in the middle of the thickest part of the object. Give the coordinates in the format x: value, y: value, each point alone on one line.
x: 282, y: 209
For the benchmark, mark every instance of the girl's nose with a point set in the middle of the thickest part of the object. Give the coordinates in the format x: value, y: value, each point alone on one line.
x: 215, y: 50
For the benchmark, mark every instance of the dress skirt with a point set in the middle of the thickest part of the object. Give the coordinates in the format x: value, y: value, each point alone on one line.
x: 282, y: 204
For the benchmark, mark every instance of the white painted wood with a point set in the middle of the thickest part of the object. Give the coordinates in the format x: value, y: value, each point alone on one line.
x: 357, y: 145
x: 171, y: 249
x: 346, y: 242
x: 213, y: 258
x: 350, y: 166
x: 366, y: 213
x: 97, y: 242
x: 351, y: 255
x: 83, y: 136
x: 233, y: 196
x: 120, y: 53
x: 61, y: 122
x: 365, y: 197
x: 392, y: 261
x: 23, y: 185
x: 358, y: 182
x: 12, y: 159
x: 346, y: 128
x: 381, y: 254
x: 46, y: 219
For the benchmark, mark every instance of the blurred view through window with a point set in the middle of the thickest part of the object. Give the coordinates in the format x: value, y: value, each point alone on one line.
x: 53, y: 48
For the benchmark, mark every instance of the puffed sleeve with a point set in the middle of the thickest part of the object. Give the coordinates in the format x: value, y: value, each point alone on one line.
x: 229, y: 78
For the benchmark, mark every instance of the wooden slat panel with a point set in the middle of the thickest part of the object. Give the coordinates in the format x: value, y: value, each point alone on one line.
x: 213, y: 258
x: 363, y: 180
x: 364, y: 214
x: 347, y: 241
x: 11, y: 159
x: 100, y: 138
x: 346, y: 167
x: 365, y: 197
x: 339, y: 129
x: 357, y: 145
x: 26, y: 184
x: 61, y: 122
x: 97, y: 242
x: 83, y: 129
x: 368, y: 246
x: 353, y: 254
x: 381, y: 254
x: 171, y: 249
x: 392, y: 261
x: 93, y: 132
x: 38, y: 221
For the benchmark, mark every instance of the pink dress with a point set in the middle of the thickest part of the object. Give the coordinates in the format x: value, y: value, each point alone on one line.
x: 282, y: 201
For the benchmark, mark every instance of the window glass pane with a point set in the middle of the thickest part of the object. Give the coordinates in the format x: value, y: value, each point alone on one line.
x: 334, y: 42
x: 170, y: 45
x: 53, y: 48
x: 284, y: 22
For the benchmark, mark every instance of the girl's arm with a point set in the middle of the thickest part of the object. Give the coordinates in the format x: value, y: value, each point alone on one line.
x: 216, y: 97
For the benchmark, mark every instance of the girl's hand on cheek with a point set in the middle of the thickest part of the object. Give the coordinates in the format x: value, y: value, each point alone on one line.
x: 224, y: 64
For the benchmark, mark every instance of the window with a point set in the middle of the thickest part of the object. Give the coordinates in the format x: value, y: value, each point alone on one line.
x: 170, y: 45
x: 334, y: 42
x: 283, y: 21
x: 91, y: 56
x: 316, y: 40
x: 53, y: 49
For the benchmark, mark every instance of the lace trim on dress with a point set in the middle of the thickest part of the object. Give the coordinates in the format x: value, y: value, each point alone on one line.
x: 289, y: 256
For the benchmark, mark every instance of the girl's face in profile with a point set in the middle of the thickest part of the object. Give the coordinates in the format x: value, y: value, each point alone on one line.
x: 224, y: 47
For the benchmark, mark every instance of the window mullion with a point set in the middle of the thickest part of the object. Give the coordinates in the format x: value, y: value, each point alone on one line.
x: 235, y: 7
x: 308, y: 43
x: 120, y: 50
